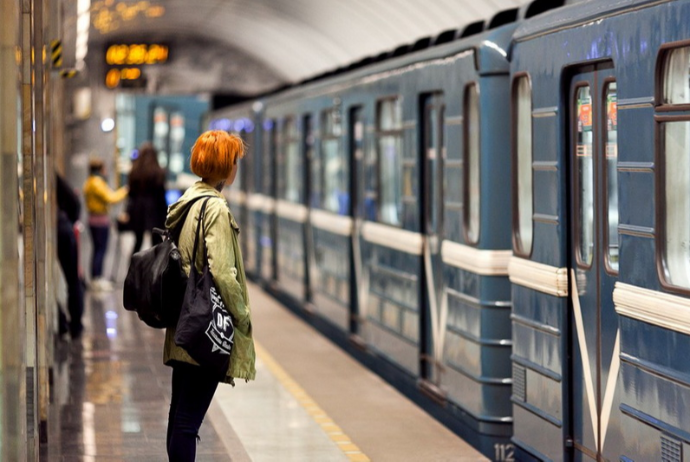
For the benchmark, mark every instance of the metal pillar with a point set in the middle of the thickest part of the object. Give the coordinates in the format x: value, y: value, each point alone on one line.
x: 12, y: 316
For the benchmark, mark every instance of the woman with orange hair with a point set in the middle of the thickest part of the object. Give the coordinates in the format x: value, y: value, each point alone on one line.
x: 215, y: 157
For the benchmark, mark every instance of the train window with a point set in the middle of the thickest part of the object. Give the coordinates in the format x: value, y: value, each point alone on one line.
x: 268, y: 155
x: 585, y: 175
x: 292, y: 167
x: 524, y: 226
x: 313, y: 183
x: 676, y: 73
x: 611, y: 149
x: 676, y: 138
x: 334, y: 168
x: 390, y: 135
x: 471, y: 161
x: 675, y: 169
x: 246, y: 169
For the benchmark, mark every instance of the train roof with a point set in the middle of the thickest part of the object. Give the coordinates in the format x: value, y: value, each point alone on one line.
x: 575, y: 14
x: 491, y: 40
x: 491, y: 46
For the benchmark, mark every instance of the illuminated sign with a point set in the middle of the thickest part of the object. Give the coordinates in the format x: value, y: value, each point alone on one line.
x: 126, y: 77
x: 136, y: 54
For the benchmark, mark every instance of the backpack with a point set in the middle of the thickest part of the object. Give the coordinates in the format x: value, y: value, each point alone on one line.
x: 155, y: 283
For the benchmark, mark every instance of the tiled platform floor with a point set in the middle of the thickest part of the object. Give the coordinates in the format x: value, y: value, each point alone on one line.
x: 310, y: 402
x: 112, y: 392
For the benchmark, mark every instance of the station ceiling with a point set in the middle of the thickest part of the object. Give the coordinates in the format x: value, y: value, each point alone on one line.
x: 249, y: 46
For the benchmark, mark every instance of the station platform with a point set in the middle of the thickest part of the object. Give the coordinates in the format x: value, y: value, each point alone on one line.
x: 311, y: 401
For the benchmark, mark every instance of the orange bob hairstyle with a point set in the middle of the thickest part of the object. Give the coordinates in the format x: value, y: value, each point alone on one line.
x: 214, y: 154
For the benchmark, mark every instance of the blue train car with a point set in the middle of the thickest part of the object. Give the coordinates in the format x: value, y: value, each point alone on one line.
x: 313, y: 211
x: 244, y: 200
x: 601, y: 271
x: 393, y: 183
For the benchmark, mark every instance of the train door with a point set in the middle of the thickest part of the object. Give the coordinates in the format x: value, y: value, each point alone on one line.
x: 432, y: 158
x: 593, y: 248
x: 358, y: 290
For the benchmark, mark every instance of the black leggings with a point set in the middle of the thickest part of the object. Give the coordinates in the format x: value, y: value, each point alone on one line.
x: 99, y: 235
x: 192, y: 391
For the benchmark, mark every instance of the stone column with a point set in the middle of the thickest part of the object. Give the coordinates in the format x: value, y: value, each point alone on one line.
x: 29, y: 182
x: 12, y: 315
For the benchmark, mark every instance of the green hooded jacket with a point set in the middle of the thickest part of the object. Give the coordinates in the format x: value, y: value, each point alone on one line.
x: 227, y: 268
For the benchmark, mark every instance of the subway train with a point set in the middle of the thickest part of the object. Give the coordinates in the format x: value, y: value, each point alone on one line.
x: 467, y: 216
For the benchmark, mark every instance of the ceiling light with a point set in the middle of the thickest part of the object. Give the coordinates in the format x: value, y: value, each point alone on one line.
x: 107, y: 124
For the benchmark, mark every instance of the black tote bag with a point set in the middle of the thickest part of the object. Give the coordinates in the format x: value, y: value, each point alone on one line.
x: 155, y: 283
x: 205, y: 328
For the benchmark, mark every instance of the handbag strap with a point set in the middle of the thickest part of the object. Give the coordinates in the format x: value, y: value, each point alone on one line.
x: 175, y: 232
x: 199, y: 224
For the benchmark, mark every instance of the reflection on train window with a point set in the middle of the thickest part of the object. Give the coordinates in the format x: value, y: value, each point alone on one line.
x: 611, y: 149
x: 389, y: 131
x: 677, y: 197
x: 177, y: 133
x: 472, y: 185
x: 268, y: 156
x: 675, y: 159
x: 435, y: 156
x: 371, y: 172
x: 313, y: 185
x: 161, y: 131
x: 246, y: 165
x: 585, y: 175
x: 292, y: 167
x: 240, y: 180
x: 676, y: 76
x: 523, y: 149
x: 335, y: 168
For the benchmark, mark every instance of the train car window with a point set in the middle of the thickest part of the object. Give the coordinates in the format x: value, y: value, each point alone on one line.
x: 471, y: 161
x: 390, y: 138
x: 611, y: 149
x: 676, y: 161
x: 240, y: 180
x: 522, y: 139
x: 435, y: 157
x: 676, y: 76
x: 585, y: 175
x: 675, y: 169
x: 268, y: 156
x: 293, y: 166
x: 313, y: 185
x: 334, y: 169
x: 371, y: 179
x: 246, y: 170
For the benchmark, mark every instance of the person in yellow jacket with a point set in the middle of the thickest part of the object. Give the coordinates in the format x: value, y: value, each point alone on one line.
x: 99, y: 196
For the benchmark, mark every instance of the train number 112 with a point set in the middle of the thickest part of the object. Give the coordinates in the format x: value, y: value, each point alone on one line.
x: 504, y: 452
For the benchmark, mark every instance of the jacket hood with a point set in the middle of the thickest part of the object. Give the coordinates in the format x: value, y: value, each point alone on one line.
x: 177, y: 210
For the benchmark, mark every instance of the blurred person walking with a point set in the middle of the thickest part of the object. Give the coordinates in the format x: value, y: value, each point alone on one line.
x: 147, y: 206
x: 99, y: 196
x: 215, y: 157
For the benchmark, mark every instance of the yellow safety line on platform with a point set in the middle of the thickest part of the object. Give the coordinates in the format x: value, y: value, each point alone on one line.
x: 334, y: 432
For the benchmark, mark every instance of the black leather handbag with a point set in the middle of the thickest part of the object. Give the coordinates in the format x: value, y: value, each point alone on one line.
x: 155, y: 282
x: 205, y: 328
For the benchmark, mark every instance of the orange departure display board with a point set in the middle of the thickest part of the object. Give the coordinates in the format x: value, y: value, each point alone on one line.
x: 136, y: 54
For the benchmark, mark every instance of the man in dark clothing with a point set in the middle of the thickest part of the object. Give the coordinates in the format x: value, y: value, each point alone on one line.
x: 69, y: 209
